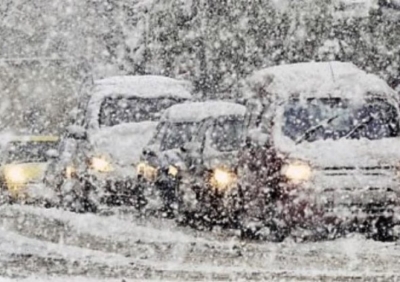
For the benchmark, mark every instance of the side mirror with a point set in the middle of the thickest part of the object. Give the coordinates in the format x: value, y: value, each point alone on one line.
x: 76, y: 132
x: 52, y: 154
x: 258, y: 137
x: 191, y: 147
x: 157, y: 116
x: 148, y: 152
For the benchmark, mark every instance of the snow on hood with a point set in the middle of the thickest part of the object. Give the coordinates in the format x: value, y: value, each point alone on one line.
x: 324, y: 79
x: 171, y: 157
x: 125, y: 142
x: 343, y: 153
x: 146, y: 86
x: 199, y: 111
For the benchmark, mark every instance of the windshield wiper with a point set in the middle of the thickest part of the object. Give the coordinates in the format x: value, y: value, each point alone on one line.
x: 322, y: 124
x: 356, y: 127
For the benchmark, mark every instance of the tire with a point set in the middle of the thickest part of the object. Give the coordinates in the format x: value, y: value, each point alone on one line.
x: 267, y: 231
x: 168, y: 191
x: 264, y: 224
x: 77, y: 196
x: 383, y: 230
x: 140, y: 202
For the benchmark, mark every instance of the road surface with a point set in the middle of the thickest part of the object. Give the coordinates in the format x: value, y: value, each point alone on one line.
x: 52, y: 245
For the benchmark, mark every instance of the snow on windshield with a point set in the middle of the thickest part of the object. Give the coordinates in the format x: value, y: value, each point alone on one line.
x: 114, y: 111
x: 227, y: 133
x: 25, y: 152
x: 176, y: 135
x: 375, y: 119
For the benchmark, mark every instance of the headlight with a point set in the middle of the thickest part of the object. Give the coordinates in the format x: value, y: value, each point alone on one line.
x: 222, y: 179
x: 147, y: 171
x: 100, y: 164
x: 173, y: 171
x: 70, y: 172
x: 15, y: 175
x: 297, y: 172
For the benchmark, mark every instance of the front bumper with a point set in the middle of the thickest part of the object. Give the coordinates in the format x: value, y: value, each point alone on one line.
x: 203, y: 204
x: 309, y: 205
x: 107, y: 188
x: 339, y: 203
x: 341, y: 193
x: 160, y: 194
x: 113, y: 191
x: 27, y: 193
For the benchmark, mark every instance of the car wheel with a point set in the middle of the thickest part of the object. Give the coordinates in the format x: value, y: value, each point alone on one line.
x: 170, y: 199
x: 384, y: 229
x: 78, y: 196
x: 267, y: 231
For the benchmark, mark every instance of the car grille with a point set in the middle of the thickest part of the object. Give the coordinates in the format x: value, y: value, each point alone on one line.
x: 375, y: 170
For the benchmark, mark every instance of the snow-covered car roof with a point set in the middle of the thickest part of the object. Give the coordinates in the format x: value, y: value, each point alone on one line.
x: 199, y: 111
x: 313, y: 80
x: 145, y: 86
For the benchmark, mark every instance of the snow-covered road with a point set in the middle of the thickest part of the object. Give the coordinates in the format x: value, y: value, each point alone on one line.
x: 52, y: 245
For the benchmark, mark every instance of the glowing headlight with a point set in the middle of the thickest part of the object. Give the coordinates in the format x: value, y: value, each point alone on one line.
x: 173, y: 171
x: 100, y: 164
x: 70, y: 171
x: 297, y: 172
x: 147, y: 171
x: 15, y: 175
x: 222, y: 179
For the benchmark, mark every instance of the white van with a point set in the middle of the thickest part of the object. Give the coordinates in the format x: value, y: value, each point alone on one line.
x: 334, y: 133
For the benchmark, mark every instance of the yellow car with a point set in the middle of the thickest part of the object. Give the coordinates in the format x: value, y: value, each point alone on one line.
x: 24, y: 163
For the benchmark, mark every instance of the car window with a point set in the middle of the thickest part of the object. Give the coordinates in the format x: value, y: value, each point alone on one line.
x: 374, y: 119
x: 114, y: 111
x: 25, y: 152
x: 176, y: 135
x: 227, y: 133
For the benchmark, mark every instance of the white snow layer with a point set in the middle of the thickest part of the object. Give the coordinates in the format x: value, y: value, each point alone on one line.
x: 322, y: 79
x: 123, y: 142
x: 343, y: 259
x: 147, y: 86
x: 199, y: 111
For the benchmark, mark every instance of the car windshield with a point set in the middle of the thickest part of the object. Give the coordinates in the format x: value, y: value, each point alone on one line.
x: 114, y: 111
x: 29, y: 152
x: 335, y: 118
x: 176, y: 135
x: 227, y: 134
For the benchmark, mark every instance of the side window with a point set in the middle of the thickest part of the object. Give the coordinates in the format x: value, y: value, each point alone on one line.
x: 114, y: 111
x: 227, y: 134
